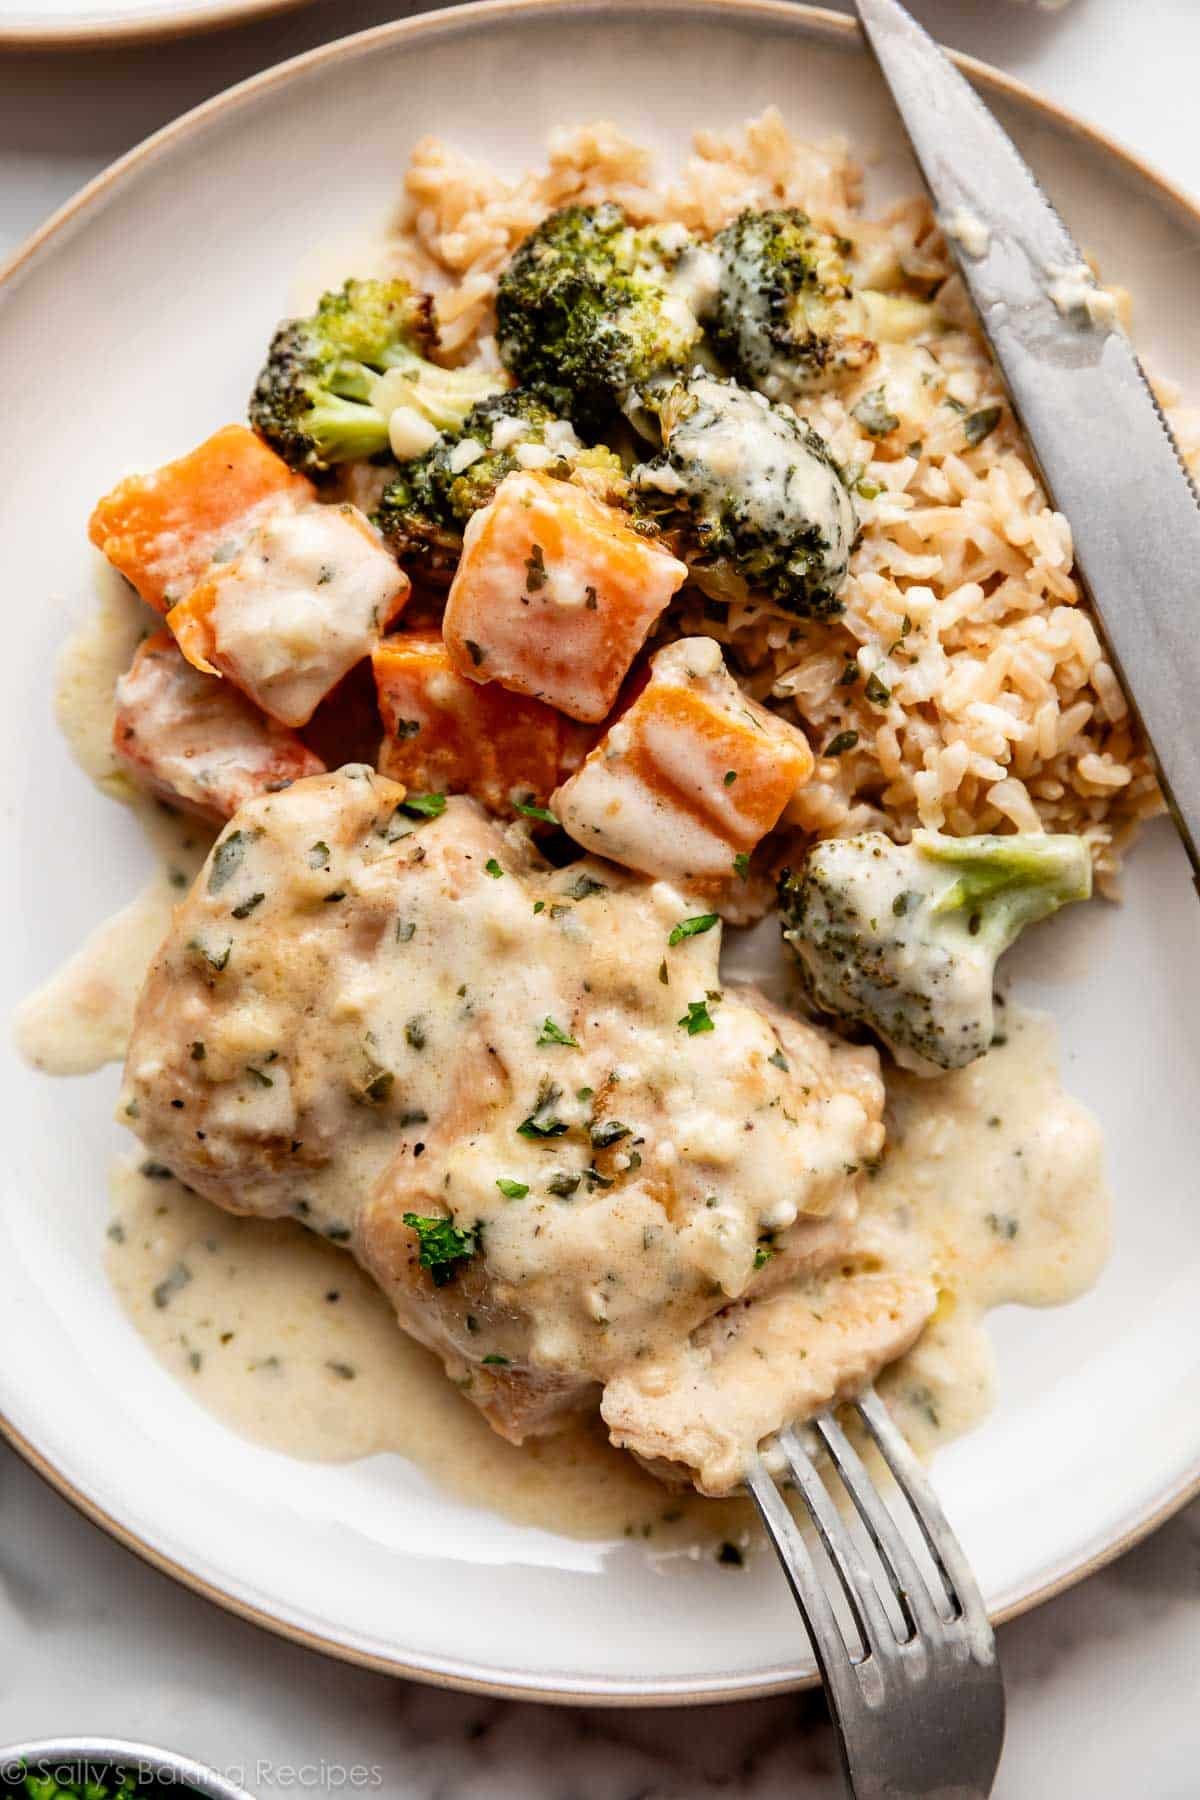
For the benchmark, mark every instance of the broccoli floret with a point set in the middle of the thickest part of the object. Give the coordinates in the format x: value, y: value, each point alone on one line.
x: 423, y: 511
x: 586, y: 313
x: 905, y: 938
x: 752, y: 495
x: 331, y: 382
x: 785, y: 316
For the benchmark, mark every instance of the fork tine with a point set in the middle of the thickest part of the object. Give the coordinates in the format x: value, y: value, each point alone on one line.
x: 856, y: 1579
x: 908, y: 1583
x: 839, y: 1675
x: 944, y: 1547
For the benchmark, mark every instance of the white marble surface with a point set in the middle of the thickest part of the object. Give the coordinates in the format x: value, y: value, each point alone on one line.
x: 1102, y: 1682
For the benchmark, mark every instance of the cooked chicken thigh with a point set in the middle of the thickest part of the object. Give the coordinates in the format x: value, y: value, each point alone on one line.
x: 579, y: 1169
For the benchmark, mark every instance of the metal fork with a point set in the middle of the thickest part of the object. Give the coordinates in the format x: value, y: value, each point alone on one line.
x: 918, y: 1700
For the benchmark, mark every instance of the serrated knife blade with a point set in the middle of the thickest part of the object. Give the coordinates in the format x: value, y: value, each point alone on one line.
x: 1105, y: 451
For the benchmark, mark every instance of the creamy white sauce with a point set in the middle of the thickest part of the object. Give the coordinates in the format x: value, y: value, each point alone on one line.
x: 968, y: 232
x: 1009, y: 1211
x: 992, y: 1175
x: 1078, y: 295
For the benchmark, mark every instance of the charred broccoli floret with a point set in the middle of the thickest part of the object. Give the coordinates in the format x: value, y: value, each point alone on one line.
x: 782, y: 310
x: 586, y: 313
x: 423, y: 511
x: 332, y: 382
x: 752, y: 496
x: 904, y: 938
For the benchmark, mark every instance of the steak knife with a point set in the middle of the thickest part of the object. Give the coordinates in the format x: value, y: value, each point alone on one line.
x: 1104, y: 448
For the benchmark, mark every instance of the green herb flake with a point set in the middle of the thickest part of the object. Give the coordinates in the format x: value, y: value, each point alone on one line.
x: 535, y: 570
x: 693, y: 927
x: 227, y: 858
x: 258, y: 1078
x: 317, y: 855
x: 874, y: 414
x: 662, y: 973
x: 554, y: 1034
x: 607, y: 1133
x: 876, y: 692
x: 414, y: 1033
x: 529, y: 810
x: 838, y: 746
x: 697, y: 1018
x: 981, y: 424
x: 731, y: 776
x: 493, y: 868
x: 425, y: 806
x: 475, y: 651
x: 763, y: 1254
x: 542, y: 1122
x: 779, y: 1060
x: 585, y: 885
x: 741, y: 865
x: 563, y: 1184
x: 442, y: 1245
x: 405, y: 931
x: 500, y: 1362
x: 247, y: 907
x: 198, y: 1050
x: 512, y: 1190
x: 1004, y: 1225
x: 539, y: 906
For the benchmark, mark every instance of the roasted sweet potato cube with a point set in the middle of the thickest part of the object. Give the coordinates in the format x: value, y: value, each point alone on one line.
x: 554, y: 595
x: 690, y: 776
x: 161, y: 530
x: 196, y: 741
x: 448, y: 735
x: 306, y: 598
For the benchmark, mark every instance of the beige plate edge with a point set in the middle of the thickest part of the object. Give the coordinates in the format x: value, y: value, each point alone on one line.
x: 76, y: 34
x: 814, y: 22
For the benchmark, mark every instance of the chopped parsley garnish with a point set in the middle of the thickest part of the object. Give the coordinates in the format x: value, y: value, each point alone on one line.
x: 227, y: 859
x: 530, y: 811
x: 425, y: 806
x: 663, y: 976
x: 542, y: 1122
x: 405, y: 931
x: 692, y: 927
x: 512, y: 1190
x: 317, y: 855
x: 731, y: 776
x: 874, y: 414
x: 607, y: 1133
x: 535, y: 569
x: 554, y: 1034
x: 563, y: 1185
x: 379, y: 1084
x: 741, y: 865
x: 837, y: 746
x: 779, y: 1059
x: 247, y: 907
x: 414, y: 1032
x: 539, y: 906
x: 583, y: 885
x: 476, y: 651
x: 875, y: 691
x: 981, y: 424
x: 257, y: 1076
x: 697, y: 1018
x: 442, y: 1245
x: 501, y: 1362
x: 493, y: 868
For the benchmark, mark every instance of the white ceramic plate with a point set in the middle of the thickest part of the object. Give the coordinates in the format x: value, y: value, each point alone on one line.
x: 168, y: 275
x: 73, y: 24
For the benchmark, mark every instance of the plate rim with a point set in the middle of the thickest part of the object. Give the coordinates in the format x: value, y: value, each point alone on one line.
x: 195, y: 21
x: 815, y: 23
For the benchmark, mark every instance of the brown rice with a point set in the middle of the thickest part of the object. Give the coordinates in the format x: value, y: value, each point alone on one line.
x: 995, y: 706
